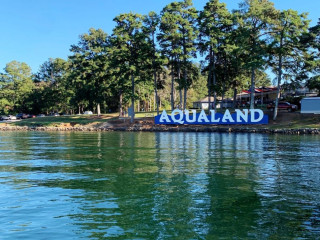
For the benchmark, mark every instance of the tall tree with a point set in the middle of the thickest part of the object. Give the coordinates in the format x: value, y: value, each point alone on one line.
x: 151, y: 23
x: 177, y: 39
x: 89, y: 68
x: 130, y: 50
x: 214, y: 20
x: 312, y: 63
x: 15, y: 86
x: 189, y: 33
x: 169, y: 41
x: 286, y: 48
x: 255, y: 20
x: 54, y: 86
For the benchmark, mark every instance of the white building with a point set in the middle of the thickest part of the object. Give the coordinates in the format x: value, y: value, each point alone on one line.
x: 310, y: 105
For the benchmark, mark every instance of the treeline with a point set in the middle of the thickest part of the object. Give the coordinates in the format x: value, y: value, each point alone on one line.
x: 170, y: 59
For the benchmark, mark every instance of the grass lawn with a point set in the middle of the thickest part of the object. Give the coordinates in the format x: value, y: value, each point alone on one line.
x: 297, y: 123
x: 67, y: 121
x: 284, y: 120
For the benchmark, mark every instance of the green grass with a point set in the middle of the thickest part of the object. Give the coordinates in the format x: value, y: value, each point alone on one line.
x: 308, y: 122
x: 284, y: 121
x: 74, y: 120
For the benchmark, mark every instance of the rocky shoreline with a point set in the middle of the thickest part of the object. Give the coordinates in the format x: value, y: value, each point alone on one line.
x: 166, y: 128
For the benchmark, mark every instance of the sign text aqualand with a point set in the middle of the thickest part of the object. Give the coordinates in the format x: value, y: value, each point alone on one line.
x: 245, y: 116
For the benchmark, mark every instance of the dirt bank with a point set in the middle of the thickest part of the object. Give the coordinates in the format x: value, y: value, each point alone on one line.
x: 287, y: 123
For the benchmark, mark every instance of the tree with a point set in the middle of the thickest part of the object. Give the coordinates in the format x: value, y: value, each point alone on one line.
x: 311, y: 39
x: 130, y: 52
x: 151, y: 22
x: 286, y: 47
x: 15, y: 86
x: 89, y: 69
x: 214, y: 20
x: 255, y: 19
x: 314, y: 83
x: 188, y: 35
x: 169, y: 43
x: 198, y: 89
x: 53, y: 84
x: 177, y: 39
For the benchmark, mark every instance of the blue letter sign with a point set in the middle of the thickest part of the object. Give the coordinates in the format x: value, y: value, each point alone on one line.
x: 245, y: 116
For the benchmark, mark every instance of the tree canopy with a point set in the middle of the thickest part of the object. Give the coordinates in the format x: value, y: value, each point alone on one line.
x: 170, y: 59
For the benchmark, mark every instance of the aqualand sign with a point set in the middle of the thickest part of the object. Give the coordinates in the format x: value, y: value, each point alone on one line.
x: 245, y: 116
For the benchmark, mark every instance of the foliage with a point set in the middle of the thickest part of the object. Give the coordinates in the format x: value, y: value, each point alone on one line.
x: 177, y: 39
x: 286, y: 48
x: 151, y: 60
x: 89, y: 69
x: 51, y: 85
x: 314, y: 83
x: 255, y: 19
x: 15, y: 85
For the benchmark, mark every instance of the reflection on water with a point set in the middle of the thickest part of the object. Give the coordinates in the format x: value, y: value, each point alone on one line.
x: 159, y: 186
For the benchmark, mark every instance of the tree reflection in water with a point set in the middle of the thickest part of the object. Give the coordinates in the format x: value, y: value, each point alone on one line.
x: 160, y: 185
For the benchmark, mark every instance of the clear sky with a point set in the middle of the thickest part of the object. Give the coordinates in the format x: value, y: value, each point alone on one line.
x: 32, y: 31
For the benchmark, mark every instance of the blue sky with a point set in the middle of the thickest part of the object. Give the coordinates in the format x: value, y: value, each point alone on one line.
x: 32, y: 31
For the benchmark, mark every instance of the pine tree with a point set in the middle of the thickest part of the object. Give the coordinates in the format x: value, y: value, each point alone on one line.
x: 214, y: 22
x: 151, y: 23
x: 286, y: 48
x: 177, y: 39
x: 130, y: 51
x: 312, y: 60
x: 89, y: 68
x: 255, y: 21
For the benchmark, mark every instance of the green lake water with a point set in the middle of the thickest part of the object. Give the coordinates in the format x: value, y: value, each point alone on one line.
x: 121, y: 185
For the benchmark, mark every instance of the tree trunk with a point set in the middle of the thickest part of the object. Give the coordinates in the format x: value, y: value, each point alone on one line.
x: 155, y: 72
x: 214, y: 80
x: 185, y: 74
x: 185, y: 77
x: 154, y: 102
x: 209, y: 79
x: 185, y: 98
x: 275, y: 113
x: 172, y: 86
x: 252, y: 88
x: 155, y: 90
x: 180, y: 87
x: 222, y: 97
x: 234, y: 105
x: 98, y: 109
x: 225, y: 80
x: 120, y: 105
x: 132, y: 98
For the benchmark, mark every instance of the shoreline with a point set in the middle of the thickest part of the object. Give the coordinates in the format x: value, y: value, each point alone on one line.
x: 287, y: 123
x: 166, y: 128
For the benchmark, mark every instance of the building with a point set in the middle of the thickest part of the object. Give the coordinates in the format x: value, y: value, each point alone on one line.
x: 310, y: 105
x: 300, y: 90
x: 262, y: 95
x: 204, y: 103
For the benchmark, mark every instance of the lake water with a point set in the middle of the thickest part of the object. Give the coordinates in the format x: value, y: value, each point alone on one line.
x: 121, y: 185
